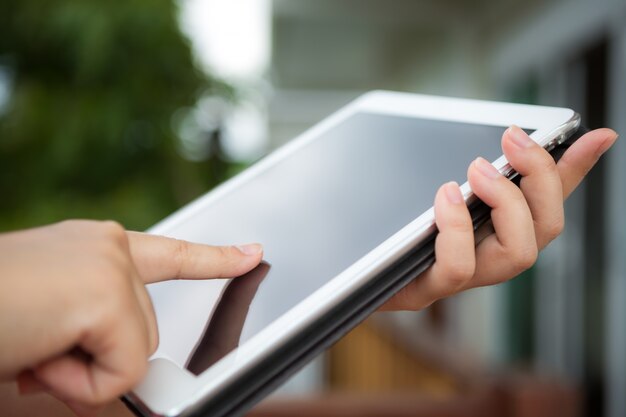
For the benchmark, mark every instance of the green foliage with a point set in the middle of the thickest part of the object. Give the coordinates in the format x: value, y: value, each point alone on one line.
x: 87, y: 132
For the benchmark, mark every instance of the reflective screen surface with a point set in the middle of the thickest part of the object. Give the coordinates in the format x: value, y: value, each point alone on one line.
x: 316, y: 212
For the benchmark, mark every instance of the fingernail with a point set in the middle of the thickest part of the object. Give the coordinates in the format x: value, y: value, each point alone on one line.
x: 486, y: 168
x: 250, y: 249
x: 519, y: 137
x: 453, y: 193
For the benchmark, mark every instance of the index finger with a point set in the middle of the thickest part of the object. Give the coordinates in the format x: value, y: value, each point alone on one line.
x: 159, y: 258
x: 582, y: 156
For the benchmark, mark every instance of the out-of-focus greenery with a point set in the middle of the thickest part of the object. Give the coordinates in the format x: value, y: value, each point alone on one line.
x: 87, y: 130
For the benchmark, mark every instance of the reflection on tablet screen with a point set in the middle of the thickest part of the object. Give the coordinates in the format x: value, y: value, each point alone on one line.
x: 223, y: 330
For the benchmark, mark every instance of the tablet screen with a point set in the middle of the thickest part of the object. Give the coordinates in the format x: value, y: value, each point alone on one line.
x: 316, y: 212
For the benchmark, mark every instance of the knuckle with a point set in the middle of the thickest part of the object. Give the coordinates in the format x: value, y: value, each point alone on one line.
x: 114, y: 231
x: 110, y: 263
x: 524, y: 258
x: 228, y: 252
x: 547, y: 162
x: 112, y: 254
x: 554, y: 229
x: 517, y: 196
x: 181, y: 254
x: 223, y: 252
x: 457, y: 275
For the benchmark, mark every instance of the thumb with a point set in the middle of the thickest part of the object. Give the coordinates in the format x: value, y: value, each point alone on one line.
x: 159, y: 258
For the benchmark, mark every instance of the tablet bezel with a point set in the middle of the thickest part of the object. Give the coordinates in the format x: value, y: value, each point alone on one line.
x: 169, y: 390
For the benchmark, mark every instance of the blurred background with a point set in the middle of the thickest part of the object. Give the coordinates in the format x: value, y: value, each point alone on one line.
x: 130, y: 110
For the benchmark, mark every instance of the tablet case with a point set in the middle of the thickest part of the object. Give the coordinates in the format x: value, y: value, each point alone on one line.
x: 237, y: 398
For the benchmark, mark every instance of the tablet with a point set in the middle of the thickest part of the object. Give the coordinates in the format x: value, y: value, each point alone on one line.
x: 344, y: 213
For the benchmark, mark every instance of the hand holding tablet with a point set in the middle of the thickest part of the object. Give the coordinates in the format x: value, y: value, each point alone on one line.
x: 335, y: 232
x: 536, y: 206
